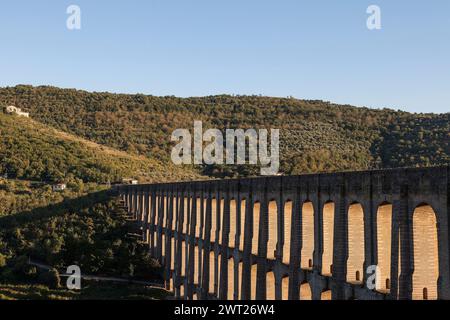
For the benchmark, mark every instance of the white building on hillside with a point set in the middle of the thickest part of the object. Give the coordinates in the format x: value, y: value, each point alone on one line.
x: 18, y: 111
x: 129, y: 181
x: 59, y: 187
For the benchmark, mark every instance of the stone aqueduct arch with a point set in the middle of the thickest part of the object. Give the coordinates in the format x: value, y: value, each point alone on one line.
x: 245, y: 238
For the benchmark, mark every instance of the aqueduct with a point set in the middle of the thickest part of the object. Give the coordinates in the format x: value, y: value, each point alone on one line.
x: 301, y: 237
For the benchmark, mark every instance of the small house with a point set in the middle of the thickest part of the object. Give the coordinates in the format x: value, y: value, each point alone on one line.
x: 59, y: 187
x: 17, y: 111
x: 129, y: 181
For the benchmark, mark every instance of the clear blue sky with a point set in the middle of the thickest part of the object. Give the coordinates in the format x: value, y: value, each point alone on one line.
x: 313, y: 49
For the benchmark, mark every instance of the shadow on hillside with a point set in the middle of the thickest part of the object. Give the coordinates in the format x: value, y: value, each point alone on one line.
x: 54, y: 210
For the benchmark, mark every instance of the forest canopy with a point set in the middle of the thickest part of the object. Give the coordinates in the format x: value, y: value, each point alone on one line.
x: 316, y: 136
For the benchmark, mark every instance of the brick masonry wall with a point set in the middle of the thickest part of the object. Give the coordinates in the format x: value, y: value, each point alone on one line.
x: 347, y: 221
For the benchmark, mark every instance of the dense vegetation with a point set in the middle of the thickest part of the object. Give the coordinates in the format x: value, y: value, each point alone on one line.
x: 92, y: 232
x: 90, y: 291
x: 18, y: 196
x: 33, y: 151
x: 316, y: 136
x: 82, y: 225
x: 89, y: 231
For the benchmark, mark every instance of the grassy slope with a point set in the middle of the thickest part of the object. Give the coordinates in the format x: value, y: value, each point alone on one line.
x: 89, y: 231
x: 18, y: 196
x: 316, y: 136
x: 31, y: 150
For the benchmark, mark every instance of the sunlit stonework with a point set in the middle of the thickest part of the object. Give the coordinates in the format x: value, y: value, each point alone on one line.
x: 308, y: 237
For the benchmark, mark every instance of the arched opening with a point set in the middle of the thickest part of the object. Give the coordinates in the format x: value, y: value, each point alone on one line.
x: 255, y: 239
x: 197, y: 271
x: 148, y: 216
x: 184, y: 245
x: 212, y: 236
x: 174, y: 212
x: 325, y: 295
x: 172, y: 257
x: 328, y: 234
x: 182, y: 291
x: 230, y: 289
x: 220, y: 226
x: 285, y: 288
x: 205, y: 215
x: 270, y: 286
x: 287, y: 231
x: 164, y: 215
x: 273, y: 234
x: 307, y: 234
x: 305, y: 291
x: 198, y: 216
x: 185, y: 215
x: 218, y: 274
x: 183, y: 258
x: 426, y: 257
x: 144, y: 207
x: 355, y: 260
x: 138, y: 206
x: 133, y: 202
x: 164, y: 212
x: 163, y: 245
x: 242, y: 226
x: 195, y: 217
x: 384, y: 228
x: 162, y: 223
x: 213, y: 220
x: 211, y: 272
x: 173, y: 228
x: 233, y: 221
x: 241, y: 265
x: 425, y: 293
x: 253, y: 281
x: 156, y: 220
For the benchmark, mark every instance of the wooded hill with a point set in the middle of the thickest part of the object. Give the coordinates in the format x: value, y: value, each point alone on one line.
x: 316, y: 136
x: 30, y: 150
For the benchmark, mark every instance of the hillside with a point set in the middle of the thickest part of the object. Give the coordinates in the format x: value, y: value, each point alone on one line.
x: 32, y: 151
x: 316, y: 136
x: 92, y: 232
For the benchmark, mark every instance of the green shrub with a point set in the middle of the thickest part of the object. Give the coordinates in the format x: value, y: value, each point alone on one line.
x: 2, y: 260
x: 50, y: 278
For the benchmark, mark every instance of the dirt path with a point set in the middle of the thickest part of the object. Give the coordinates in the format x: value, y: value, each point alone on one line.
x: 100, y: 278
